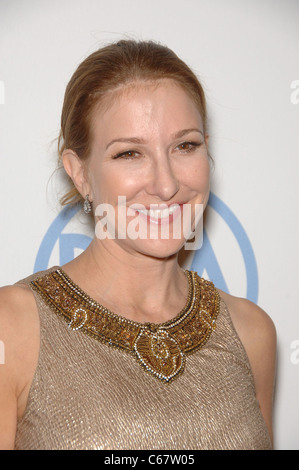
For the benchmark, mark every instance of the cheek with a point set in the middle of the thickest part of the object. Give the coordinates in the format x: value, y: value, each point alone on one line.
x: 107, y: 184
x: 198, y: 177
x: 99, y: 184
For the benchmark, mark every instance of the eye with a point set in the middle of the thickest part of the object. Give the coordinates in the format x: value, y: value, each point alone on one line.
x: 187, y: 147
x: 127, y: 155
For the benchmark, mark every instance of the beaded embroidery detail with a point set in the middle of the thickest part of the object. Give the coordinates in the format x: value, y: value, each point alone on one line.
x: 160, y: 348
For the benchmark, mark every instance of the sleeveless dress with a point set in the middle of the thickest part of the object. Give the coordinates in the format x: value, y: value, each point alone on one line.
x: 97, y: 384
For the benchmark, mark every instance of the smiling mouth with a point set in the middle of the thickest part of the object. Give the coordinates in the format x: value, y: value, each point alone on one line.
x: 158, y: 214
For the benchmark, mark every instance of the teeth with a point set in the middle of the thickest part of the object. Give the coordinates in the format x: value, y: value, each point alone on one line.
x: 159, y: 213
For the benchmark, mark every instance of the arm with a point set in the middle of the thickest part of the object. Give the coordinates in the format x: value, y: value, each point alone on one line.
x: 258, y: 336
x: 19, y: 333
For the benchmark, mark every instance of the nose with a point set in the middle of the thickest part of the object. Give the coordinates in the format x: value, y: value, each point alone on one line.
x: 163, y: 182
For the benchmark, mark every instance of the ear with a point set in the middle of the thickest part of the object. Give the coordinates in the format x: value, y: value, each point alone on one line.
x: 75, y: 168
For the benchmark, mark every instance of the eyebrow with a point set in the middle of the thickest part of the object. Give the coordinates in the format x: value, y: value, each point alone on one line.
x: 137, y: 140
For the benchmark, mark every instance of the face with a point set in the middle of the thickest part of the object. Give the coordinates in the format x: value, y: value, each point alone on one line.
x: 149, y: 148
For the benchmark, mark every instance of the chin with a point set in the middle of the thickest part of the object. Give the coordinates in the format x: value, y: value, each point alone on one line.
x: 159, y: 249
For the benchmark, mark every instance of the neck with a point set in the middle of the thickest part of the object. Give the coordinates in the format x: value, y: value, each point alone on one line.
x: 139, y: 287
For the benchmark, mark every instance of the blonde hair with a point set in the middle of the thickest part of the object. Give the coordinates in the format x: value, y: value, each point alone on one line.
x: 111, y: 67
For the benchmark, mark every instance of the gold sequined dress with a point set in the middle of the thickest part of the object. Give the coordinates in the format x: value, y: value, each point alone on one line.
x: 104, y: 382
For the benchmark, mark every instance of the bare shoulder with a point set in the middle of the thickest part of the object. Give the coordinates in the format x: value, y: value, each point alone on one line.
x: 19, y: 324
x: 19, y: 336
x: 18, y: 309
x: 254, y: 326
x: 12, y: 296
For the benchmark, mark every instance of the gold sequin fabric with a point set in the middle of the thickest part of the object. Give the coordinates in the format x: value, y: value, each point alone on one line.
x: 105, y: 382
x: 160, y: 348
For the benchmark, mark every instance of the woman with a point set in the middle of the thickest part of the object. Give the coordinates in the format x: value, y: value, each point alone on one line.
x: 121, y: 348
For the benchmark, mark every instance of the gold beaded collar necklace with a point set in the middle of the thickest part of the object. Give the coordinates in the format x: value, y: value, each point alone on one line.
x: 161, y: 349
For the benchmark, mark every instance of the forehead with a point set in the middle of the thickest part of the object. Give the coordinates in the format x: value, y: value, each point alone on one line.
x: 145, y: 106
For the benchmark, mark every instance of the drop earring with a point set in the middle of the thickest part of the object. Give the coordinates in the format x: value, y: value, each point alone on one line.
x: 87, y: 205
